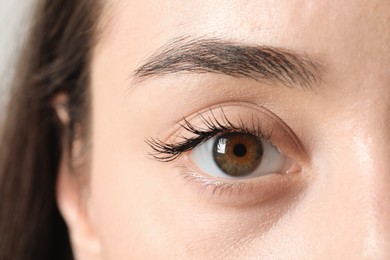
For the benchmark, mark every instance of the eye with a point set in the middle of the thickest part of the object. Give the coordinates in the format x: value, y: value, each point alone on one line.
x: 238, y: 155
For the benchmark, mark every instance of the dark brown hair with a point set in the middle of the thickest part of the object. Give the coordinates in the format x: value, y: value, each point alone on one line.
x: 55, y: 60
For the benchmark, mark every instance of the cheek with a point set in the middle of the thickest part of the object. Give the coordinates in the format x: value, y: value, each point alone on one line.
x: 142, y: 212
x: 125, y: 202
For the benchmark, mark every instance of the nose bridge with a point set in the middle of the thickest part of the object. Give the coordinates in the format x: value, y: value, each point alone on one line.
x: 371, y: 144
x: 373, y: 193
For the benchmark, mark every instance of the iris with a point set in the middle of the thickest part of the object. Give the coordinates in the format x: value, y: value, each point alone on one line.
x: 238, y: 154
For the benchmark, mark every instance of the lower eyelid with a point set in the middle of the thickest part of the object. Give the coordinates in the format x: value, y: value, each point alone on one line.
x: 233, y: 193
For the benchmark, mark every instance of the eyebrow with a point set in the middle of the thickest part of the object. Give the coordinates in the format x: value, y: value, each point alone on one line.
x: 272, y: 64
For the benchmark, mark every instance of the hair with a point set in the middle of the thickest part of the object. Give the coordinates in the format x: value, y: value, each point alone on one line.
x: 55, y: 60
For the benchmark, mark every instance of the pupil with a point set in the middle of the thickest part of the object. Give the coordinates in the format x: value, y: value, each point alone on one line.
x: 239, y: 150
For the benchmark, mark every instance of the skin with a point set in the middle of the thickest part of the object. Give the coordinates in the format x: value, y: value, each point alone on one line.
x: 335, y: 206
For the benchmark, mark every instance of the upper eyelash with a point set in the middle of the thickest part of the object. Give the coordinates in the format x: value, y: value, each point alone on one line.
x: 167, y: 152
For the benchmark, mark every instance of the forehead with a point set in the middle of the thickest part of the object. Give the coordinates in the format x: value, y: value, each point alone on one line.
x: 351, y: 36
x: 263, y: 22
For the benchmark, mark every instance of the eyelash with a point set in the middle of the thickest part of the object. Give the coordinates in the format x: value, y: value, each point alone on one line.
x: 167, y: 152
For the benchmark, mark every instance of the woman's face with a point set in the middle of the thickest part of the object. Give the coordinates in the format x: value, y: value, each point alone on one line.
x: 240, y: 129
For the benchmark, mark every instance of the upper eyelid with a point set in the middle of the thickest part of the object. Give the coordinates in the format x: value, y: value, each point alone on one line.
x: 169, y: 151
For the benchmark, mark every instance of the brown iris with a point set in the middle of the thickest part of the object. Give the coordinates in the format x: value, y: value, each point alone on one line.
x: 238, y: 154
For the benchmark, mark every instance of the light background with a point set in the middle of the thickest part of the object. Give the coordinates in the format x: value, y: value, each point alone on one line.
x: 15, y: 17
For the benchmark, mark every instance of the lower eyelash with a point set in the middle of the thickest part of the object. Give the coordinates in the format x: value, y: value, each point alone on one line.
x: 219, y: 188
x: 166, y: 152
